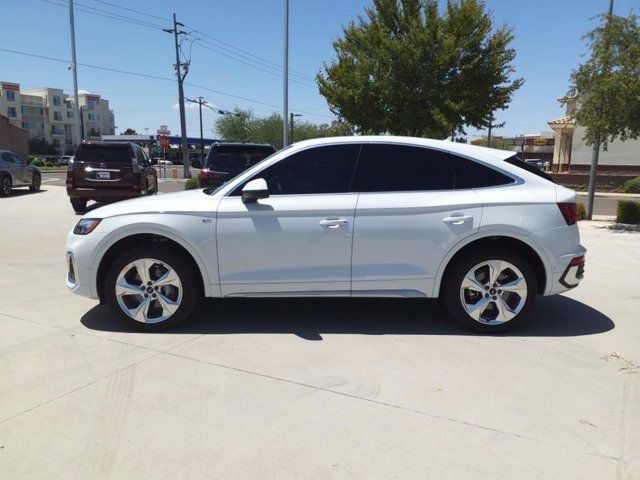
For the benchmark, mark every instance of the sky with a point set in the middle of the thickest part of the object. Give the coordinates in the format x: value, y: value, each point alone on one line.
x: 237, y: 57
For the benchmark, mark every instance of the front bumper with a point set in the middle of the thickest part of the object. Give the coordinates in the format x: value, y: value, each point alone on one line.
x: 80, y: 254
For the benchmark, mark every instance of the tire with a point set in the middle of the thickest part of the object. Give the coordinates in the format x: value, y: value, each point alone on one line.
x: 36, y: 182
x: 5, y: 186
x: 498, y: 309
x: 181, y: 295
x: 79, y: 204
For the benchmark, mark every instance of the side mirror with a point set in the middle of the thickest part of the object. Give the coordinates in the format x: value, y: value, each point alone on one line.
x: 255, y: 190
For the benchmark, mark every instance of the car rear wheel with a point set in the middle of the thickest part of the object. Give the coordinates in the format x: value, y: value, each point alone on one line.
x: 490, y: 290
x: 5, y: 186
x: 36, y: 181
x: 79, y: 204
x: 152, y: 288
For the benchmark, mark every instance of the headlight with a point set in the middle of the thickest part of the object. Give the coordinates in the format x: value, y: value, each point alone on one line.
x: 86, y: 225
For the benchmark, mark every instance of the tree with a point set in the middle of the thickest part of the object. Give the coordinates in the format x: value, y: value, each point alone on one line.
x: 39, y: 146
x: 406, y: 69
x: 337, y: 128
x: 608, y: 83
x: 129, y: 131
x: 237, y: 127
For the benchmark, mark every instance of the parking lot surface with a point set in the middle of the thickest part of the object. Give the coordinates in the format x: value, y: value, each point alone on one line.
x: 310, y: 389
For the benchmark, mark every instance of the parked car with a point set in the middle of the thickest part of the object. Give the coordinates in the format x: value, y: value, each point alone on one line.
x: 164, y: 162
x: 64, y: 160
x: 226, y: 160
x: 539, y: 163
x: 351, y: 217
x: 107, y: 171
x: 17, y: 172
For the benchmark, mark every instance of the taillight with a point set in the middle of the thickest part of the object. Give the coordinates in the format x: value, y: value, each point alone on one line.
x: 569, y: 212
x: 577, y: 260
x: 69, y: 180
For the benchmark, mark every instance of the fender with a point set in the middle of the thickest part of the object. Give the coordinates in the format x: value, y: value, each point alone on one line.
x: 152, y: 229
x: 492, y: 231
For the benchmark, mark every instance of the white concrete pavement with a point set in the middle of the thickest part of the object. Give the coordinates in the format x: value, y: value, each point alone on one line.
x: 311, y: 389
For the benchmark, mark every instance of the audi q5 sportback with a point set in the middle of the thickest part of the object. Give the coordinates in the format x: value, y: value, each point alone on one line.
x: 341, y: 217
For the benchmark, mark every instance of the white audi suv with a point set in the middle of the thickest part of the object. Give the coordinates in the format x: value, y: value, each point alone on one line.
x: 341, y: 217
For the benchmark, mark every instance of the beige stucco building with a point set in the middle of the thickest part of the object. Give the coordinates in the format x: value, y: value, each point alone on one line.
x: 570, y: 148
x: 48, y: 113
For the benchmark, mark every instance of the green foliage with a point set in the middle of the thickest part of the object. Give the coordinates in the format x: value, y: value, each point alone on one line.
x: 38, y: 162
x: 39, y: 146
x: 244, y: 126
x: 582, y: 211
x: 632, y: 186
x: 129, y: 131
x: 404, y: 68
x: 497, y: 143
x: 191, y: 184
x: 608, y: 83
x: 628, y: 212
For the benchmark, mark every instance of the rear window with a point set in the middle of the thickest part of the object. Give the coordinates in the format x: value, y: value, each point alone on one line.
x: 477, y: 175
x: 104, y: 154
x: 236, y: 157
x: 516, y: 162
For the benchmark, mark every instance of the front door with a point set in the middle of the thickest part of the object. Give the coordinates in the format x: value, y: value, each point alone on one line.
x: 298, y: 240
x: 412, y: 210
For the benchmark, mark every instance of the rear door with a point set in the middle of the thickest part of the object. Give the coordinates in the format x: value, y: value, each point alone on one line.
x: 104, y: 166
x: 412, y: 209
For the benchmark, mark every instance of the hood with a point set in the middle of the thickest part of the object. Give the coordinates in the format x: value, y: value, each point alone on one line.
x: 190, y: 201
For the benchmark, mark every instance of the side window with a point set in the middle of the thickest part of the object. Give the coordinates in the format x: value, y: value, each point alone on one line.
x: 478, y: 175
x: 326, y: 169
x: 402, y: 168
x: 142, y: 160
x: 7, y: 157
x: 16, y: 158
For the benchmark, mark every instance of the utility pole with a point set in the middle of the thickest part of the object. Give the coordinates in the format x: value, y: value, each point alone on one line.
x: 181, y: 72
x: 74, y: 69
x: 285, y: 101
x: 293, y: 115
x: 595, y: 153
x: 200, y: 102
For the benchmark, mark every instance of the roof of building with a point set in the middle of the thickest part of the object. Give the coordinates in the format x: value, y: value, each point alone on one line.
x: 566, y: 120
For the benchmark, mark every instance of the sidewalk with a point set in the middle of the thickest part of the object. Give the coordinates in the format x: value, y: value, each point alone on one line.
x: 612, y: 195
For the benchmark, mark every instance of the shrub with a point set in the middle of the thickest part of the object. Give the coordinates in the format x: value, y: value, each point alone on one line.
x: 191, y: 183
x: 632, y: 186
x: 628, y: 212
x: 49, y: 164
x: 582, y: 211
x: 38, y: 162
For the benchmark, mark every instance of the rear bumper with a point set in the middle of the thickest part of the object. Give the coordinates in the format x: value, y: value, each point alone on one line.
x: 568, y: 272
x: 102, y: 193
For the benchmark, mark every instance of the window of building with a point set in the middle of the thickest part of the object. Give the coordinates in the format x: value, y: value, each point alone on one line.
x: 11, y: 95
x: 97, y: 117
x: 56, y: 101
x: 57, y: 116
x: 90, y: 116
x: 25, y: 125
x: 402, y: 168
x: 90, y: 104
x: 69, y: 113
x: 326, y: 169
x: 11, y: 112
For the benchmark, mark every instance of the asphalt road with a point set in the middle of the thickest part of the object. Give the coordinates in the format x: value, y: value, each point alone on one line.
x: 309, y: 389
x: 603, y: 205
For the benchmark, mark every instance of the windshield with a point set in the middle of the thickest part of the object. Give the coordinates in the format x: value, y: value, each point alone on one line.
x: 104, y: 154
x: 236, y: 157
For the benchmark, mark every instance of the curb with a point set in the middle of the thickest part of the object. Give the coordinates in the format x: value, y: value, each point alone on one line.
x: 608, y: 194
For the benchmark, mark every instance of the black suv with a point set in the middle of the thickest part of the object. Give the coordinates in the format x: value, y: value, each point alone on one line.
x: 226, y: 160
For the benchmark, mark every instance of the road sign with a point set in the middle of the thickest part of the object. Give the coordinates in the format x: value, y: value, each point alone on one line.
x: 164, y: 141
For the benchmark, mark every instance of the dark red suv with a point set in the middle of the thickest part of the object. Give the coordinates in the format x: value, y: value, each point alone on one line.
x: 107, y: 171
x: 225, y: 160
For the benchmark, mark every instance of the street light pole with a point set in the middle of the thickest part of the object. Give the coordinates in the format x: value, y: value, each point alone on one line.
x: 74, y: 69
x: 293, y: 115
x: 285, y: 101
x: 181, y: 77
x: 200, y: 102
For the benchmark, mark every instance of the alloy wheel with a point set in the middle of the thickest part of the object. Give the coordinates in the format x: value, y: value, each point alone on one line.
x: 6, y: 185
x: 148, y: 290
x: 493, y: 292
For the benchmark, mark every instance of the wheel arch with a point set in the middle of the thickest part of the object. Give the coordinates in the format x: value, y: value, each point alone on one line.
x: 524, y: 246
x: 128, y: 239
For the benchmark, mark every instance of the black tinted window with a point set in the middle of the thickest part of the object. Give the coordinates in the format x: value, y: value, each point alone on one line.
x: 477, y: 175
x: 236, y: 157
x: 397, y: 168
x: 529, y: 168
x: 7, y: 157
x: 104, y: 154
x: 316, y: 170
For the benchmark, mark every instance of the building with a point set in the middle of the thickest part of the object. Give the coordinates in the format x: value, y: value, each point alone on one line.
x: 48, y: 113
x: 528, y: 146
x: 571, y: 151
x: 13, y: 138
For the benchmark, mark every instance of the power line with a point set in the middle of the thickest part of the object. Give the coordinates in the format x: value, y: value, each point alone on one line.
x: 146, y: 14
x: 157, y: 77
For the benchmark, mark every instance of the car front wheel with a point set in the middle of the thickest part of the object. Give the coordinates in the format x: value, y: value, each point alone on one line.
x: 490, y: 290
x: 36, y: 182
x: 5, y: 186
x: 79, y: 204
x: 152, y: 288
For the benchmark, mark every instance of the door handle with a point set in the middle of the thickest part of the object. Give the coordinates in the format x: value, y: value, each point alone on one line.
x: 457, y: 220
x: 333, y: 223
